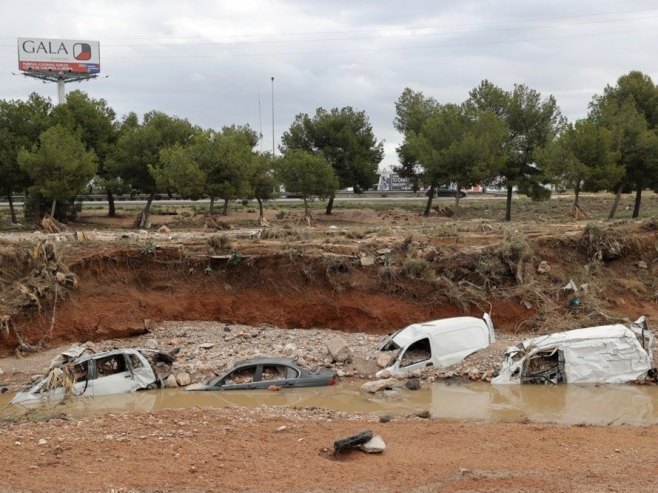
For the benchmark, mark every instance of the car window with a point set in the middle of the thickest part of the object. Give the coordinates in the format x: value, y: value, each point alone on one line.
x: 278, y: 372
x: 80, y: 371
x: 417, y: 352
x: 110, y: 365
x: 135, y: 361
x: 240, y: 376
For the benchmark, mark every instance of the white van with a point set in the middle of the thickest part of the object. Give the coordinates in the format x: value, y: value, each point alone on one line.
x: 439, y: 343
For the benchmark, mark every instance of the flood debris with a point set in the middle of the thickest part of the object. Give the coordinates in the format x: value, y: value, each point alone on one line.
x: 603, y: 354
x: 375, y: 445
x: 79, y: 371
x: 353, y: 441
x: 438, y: 344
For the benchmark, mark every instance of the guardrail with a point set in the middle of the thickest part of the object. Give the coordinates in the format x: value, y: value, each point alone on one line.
x: 19, y: 199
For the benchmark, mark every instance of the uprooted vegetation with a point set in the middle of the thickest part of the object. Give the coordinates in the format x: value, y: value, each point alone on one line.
x: 377, y: 280
x: 31, y: 277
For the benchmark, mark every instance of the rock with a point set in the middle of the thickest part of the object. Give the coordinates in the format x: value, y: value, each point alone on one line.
x: 377, y: 385
x: 150, y: 325
x: 151, y: 344
x: 385, y: 419
x: 61, y: 277
x: 384, y: 251
x: 206, y: 345
x: 375, y: 445
x: 413, y: 384
x: 170, y: 382
x: 392, y: 395
x: 543, y: 267
x: 164, y: 229
x: 274, y: 388
x: 183, y: 378
x: 367, y: 261
x: 383, y: 359
x: 289, y: 350
x: 384, y: 374
x: 43, y: 441
x: 339, y: 350
x: 642, y: 265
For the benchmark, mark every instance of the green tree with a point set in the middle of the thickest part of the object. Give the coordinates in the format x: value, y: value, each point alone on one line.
x: 137, y: 152
x: 412, y: 109
x: 21, y: 123
x: 457, y: 145
x: 96, y: 123
x: 263, y: 183
x: 630, y: 111
x: 532, y: 122
x: 310, y: 175
x: 224, y: 157
x: 179, y: 173
x: 60, y: 167
x: 582, y: 159
x: 345, y: 138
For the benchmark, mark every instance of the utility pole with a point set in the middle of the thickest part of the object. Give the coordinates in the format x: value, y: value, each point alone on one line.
x: 273, y: 151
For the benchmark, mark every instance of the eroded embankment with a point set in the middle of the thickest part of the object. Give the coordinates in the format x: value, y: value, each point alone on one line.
x: 116, y: 294
x: 519, y: 280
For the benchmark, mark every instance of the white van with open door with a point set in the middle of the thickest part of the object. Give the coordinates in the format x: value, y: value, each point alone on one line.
x: 438, y: 343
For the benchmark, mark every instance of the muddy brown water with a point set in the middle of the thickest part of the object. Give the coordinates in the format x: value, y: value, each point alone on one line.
x: 566, y: 404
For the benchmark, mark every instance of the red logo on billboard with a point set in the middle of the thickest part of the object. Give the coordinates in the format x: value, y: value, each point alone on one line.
x: 82, y: 51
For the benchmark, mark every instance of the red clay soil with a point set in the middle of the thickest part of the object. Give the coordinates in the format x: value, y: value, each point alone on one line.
x: 250, y: 451
x: 116, y: 294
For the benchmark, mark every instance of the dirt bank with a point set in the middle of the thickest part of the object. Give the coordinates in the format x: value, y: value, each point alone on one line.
x: 337, y: 279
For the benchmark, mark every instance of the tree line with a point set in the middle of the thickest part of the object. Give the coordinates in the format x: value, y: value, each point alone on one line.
x: 515, y: 139
x: 519, y: 140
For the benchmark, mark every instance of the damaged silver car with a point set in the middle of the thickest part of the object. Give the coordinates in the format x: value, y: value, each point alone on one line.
x: 78, y: 372
x: 603, y: 354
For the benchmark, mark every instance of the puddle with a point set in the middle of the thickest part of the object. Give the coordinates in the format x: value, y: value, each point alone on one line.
x: 567, y: 404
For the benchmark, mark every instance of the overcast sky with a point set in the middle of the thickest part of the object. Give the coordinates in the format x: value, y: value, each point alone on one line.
x: 212, y: 61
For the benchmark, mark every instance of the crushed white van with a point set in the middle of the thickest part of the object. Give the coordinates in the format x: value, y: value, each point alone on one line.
x: 438, y: 343
x: 604, y: 354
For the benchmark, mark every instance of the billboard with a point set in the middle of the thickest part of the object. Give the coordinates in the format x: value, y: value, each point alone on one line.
x: 59, y: 55
x: 394, y: 183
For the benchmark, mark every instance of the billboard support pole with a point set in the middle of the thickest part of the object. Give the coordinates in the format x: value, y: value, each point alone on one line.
x: 61, y: 92
x: 61, y: 79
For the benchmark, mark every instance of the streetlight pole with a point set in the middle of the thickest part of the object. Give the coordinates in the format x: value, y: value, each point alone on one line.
x: 273, y: 153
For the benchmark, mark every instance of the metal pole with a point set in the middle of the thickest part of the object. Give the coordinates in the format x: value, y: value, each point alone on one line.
x: 273, y: 151
x: 260, y: 125
x: 61, y: 92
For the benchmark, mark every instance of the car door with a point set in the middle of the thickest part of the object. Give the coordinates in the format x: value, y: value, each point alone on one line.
x: 416, y: 356
x: 279, y: 375
x: 113, y: 375
x: 243, y: 378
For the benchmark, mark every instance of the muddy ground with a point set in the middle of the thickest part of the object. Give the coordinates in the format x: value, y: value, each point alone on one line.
x: 363, y: 272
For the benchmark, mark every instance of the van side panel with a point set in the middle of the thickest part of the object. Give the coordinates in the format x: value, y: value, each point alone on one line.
x: 452, y: 347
